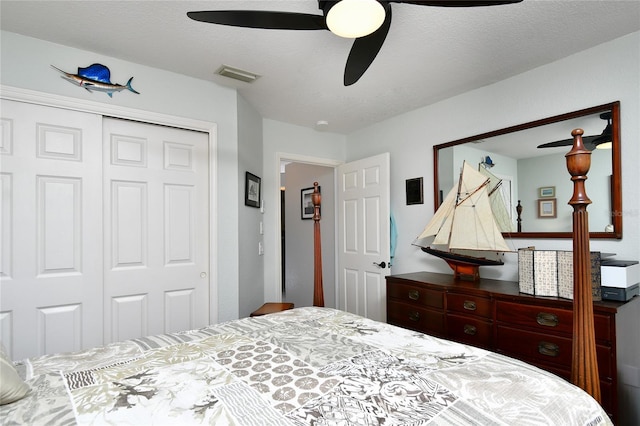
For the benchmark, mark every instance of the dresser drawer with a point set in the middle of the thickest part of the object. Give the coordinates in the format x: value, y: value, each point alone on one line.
x: 607, y: 398
x: 416, y: 295
x: 415, y: 317
x: 546, y: 348
x: 469, y: 304
x: 548, y: 319
x: 470, y: 330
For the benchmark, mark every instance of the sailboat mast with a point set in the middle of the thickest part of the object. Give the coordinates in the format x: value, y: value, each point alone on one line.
x: 453, y: 215
x: 495, y: 188
x: 459, y: 185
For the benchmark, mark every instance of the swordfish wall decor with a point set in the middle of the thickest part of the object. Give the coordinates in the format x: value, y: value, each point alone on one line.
x: 95, y: 77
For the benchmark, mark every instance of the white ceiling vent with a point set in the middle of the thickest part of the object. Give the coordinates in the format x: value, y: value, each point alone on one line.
x: 237, y: 74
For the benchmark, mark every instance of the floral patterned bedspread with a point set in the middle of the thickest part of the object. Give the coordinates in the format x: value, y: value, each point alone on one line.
x: 304, y: 366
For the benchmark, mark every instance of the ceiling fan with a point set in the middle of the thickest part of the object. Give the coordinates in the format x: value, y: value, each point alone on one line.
x: 367, y: 21
x: 590, y: 142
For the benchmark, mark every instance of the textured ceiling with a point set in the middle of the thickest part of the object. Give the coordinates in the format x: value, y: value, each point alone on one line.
x: 430, y: 53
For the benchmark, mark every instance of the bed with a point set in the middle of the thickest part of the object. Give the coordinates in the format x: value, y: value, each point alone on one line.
x: 305, y: 366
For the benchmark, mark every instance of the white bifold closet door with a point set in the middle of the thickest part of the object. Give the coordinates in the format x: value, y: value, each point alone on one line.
x: 104, y: 227
x: 51, y: 290
x: 156, y: 235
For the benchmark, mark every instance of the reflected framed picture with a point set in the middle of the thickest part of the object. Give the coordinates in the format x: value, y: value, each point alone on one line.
x: 251, y: 190
x: 547, y: 208
x: 306, y: 205
x: 547, y: 192
x: 414, y: 191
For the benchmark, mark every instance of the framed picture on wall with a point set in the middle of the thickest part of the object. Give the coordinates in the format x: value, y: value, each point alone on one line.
x: 306, y: 205
x: 547, y: 192
x: 547, y: 208
x: 414, y: 191
x: 252, y: 190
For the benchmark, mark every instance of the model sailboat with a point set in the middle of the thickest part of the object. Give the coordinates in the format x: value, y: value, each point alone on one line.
x: 463, y: 231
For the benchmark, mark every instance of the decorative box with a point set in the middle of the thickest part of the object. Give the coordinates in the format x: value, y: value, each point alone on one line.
x: 550, y: 273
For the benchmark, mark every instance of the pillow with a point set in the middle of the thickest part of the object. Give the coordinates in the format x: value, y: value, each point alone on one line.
x: 12, y: 387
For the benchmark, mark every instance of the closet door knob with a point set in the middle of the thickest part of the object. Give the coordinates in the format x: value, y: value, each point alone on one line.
x: 381, y: 264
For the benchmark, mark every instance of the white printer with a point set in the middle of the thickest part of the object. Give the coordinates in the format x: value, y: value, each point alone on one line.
x: 620, y: 279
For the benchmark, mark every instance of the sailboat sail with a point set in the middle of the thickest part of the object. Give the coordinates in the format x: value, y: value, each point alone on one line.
x: 440, y: 224
x: 465, y: 220
x: 496, y: 199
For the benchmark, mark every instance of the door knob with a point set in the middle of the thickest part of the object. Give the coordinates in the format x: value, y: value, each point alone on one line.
x: 381, y: 264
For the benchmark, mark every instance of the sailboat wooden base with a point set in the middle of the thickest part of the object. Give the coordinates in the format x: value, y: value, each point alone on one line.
x: 464, y: 272
x: 464, y: 267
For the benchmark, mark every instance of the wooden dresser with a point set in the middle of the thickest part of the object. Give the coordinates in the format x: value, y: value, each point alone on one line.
x: 493, y: 315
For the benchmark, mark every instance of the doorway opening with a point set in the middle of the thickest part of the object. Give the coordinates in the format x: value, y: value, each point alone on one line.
x: 295, y: 236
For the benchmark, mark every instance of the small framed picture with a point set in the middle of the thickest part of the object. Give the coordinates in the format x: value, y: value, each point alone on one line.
x: 306, y: 205
x: 547, y: 208
x: 252, y: 190
x: 547, y: 192
x: 414, y: 191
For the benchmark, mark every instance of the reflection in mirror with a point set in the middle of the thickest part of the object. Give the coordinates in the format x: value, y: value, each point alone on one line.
x: 527, y: 168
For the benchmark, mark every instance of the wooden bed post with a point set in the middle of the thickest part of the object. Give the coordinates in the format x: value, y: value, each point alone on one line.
x: 318, y: 292
x: 584, y: 364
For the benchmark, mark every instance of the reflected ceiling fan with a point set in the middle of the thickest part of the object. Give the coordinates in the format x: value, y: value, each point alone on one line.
x: 366, y: 21
x: 590, y: 142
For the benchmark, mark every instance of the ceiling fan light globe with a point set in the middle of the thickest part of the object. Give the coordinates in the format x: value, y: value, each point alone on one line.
x: 605, y: 145
x: 355, y: 18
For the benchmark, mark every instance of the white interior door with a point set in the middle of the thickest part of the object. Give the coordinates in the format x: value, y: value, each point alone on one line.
x: 363, y: 236
x: 51, y: 225
x: 156, y: 210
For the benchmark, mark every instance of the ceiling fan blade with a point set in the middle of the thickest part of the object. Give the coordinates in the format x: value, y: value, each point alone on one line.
x: 261, y: 19
x: 588, y: 141
x: 365, y: 49
x: 457, y: 3
x: 605, y: 136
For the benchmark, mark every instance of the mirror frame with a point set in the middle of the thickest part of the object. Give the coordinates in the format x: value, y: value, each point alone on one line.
x: 616, y: 180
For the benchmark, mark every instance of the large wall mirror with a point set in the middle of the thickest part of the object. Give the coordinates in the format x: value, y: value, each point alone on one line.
x: 529, y: 159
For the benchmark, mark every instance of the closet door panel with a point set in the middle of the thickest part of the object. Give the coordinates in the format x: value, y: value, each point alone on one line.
x: 51, y: 273
x: 156, y: 229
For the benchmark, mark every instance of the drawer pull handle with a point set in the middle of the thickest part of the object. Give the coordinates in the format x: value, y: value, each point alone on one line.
x: 414, y: 316
x: 548, y: 349
x: 414, y: 295
x: 469, y: 305
x: 470, y: 330
x: 548, y: 320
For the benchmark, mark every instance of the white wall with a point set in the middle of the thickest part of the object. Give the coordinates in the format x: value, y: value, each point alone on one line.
x: 251, y: 272
x: 26, y: 63
x: 599, y: 75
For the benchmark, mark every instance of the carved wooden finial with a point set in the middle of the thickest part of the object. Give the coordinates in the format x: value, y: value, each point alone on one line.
x: 316, y: 199
x: 578, y: 164
x: 584, y: 364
